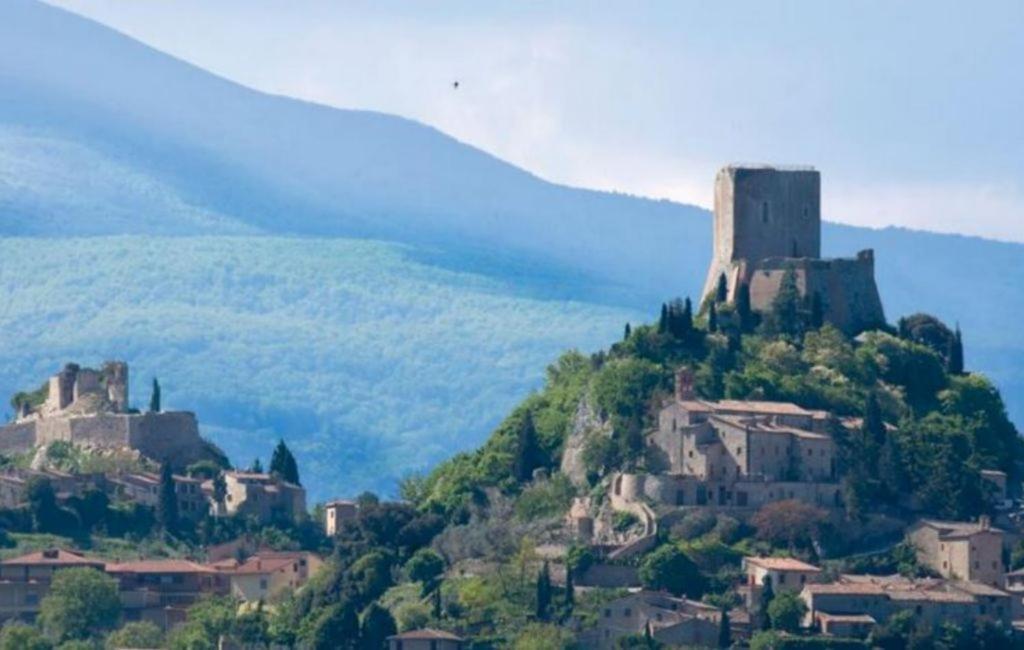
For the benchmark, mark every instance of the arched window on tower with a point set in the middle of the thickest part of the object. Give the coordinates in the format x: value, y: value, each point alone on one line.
x: 764, y: 212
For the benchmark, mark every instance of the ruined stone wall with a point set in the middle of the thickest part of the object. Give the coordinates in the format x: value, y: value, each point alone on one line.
x: 170, y: 436
x: 17, y: 437
x: 847, y: 288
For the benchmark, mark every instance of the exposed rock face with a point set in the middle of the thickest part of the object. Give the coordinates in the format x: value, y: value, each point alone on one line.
x: 585, y: 424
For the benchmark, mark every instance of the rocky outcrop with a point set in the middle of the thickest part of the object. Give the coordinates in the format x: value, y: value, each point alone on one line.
x: 585, y: 424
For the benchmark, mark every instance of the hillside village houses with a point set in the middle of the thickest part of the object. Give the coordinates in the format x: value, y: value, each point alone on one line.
x: 156, y: 590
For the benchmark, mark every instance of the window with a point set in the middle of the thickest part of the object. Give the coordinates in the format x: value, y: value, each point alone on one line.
x: 782, y: 578
x: 627, y: 612
x: 31, y: 599
x: 607, y: 613
x: 263, y: 584
x: 807, y: 212
x: 739, y: 451
x: 690, y: 453
x: 764, y: 212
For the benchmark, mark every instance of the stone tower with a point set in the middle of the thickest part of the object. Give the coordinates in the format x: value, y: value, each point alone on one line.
x: 768, y: 222
x: 763, y: 212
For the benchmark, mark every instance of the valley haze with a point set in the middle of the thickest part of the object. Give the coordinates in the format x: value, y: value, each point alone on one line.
x: 369, y: 289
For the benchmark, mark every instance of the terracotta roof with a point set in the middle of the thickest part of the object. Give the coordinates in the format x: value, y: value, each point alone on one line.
x: 159, y: 566
x: 426, y: 634
x: 53, y: 557
x: 775, y: 408
x: 855, y: 588
x: 954, y: 529
x: 845, y: 618
x: 978, y: 589
x: 781, y: 564
x: 930, y: 595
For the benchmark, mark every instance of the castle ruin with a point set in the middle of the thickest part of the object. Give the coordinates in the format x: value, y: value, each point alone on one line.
x: 768, y: 221
x: 90, y: 407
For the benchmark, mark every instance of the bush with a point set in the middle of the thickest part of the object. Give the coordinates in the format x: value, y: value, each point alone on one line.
x: 138, y: 634
x: 545, y: 498
x: 786, y: 610
x: 694, y: 524
x: 670, y: 569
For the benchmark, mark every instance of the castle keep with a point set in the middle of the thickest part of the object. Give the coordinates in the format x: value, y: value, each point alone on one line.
x: 767, y: 221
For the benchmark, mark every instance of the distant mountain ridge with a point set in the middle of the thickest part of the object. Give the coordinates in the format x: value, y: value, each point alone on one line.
x: 102, y: 136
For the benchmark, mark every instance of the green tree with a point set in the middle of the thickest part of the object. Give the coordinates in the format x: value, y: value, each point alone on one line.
x: 42, y: 504
x: 724, y: 630
x: 154, y: 397
x: 817, y: 311
x: 167, y: 501
x: 712, y: 318
x: 722, y: 289
x: 282, y: 463
x: 767, y: 596
x: 663, y: 320
x: 376, y: 626
x: 256, y: 467
x: 626, y: 332
x: 537, y: 636
x: 955, y: 355
x: 543, y: 593
x: 528, y: 453
x: 251, y: 628
x: 743, y: 310
x: 786, y: 611
x: 136, y: 634
x: 336, y: 628
x: 785, y: 309
x: 570, y: 591
x: 425, y: 566
x: 82, y: 603
x: 20, y: 636
x: 670, y: 569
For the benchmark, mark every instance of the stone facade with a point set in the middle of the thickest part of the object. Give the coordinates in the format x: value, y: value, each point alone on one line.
x: 738, y: 453
x: 768, y: 220
x: 960, y: 550
x: 673, y: 621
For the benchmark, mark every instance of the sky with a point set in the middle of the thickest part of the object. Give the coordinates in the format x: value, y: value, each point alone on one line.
x: 911, y: 110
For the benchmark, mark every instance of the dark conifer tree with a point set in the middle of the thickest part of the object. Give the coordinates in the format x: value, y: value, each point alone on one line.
x: 686, y: 323
x: 785, y: 312
x: 955, y: 357
x: 256, y: 467
x: 817, y: 311
x: 746, y: 317
x: 436, y: 602
x: 722, y: 290
x: 377, y: 625
x: 663, y: 321
x: 528, y: 454
x: 626, y: 332
x: 712, y: 318
x: 544, y: 593
x: 874, y: 426
x: 282, y: 463
x: 570, y: 591
x: 154, y: 398
x: 167, y: 501
x: 724, y: 630
x: 767, y: 595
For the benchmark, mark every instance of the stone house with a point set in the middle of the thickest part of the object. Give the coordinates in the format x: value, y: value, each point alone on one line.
x: 336, y: 513
x: 426, y: 639
x: 672, y: 620
x: 144, y: 488
x: 159, y: 591
x: 14, y: 484
x: 25, y: 580
x: 267, y: 574
x: 960, y: 550
x: 741, y: 453
x: 858, y: 602
x: 264, y: 497
x: 785, y: 573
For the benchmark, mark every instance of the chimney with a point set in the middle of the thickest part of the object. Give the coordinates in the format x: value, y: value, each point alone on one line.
x: 984, y: 522
x: 684, y: 384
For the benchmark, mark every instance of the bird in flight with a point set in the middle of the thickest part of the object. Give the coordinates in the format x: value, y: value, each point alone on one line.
x: 455, y: 85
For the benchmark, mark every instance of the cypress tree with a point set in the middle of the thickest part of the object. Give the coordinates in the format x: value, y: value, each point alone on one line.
x: 256, y: 467
x: 626, y: 332
x: 282, y: 463
x: 955, y: 357
x: 724, y: 630
x: 167, y: 501
x: 377, y: 625
x: 712, y: 318
x: 686, y: 324
x: 817, y: 311
x: 528, y: 452
x: 874, y: 426
x: 743, y: 307
x: 786, y: 306
x: 722, y: 290
x: 154, y: 398
x: 436, y: 601
x: 570, y: 591
x: 767, y: 595
x: 544, y: 593
x: 663, y: 321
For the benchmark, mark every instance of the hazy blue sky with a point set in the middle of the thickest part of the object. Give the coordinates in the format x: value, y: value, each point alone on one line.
x: 913, y: 111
